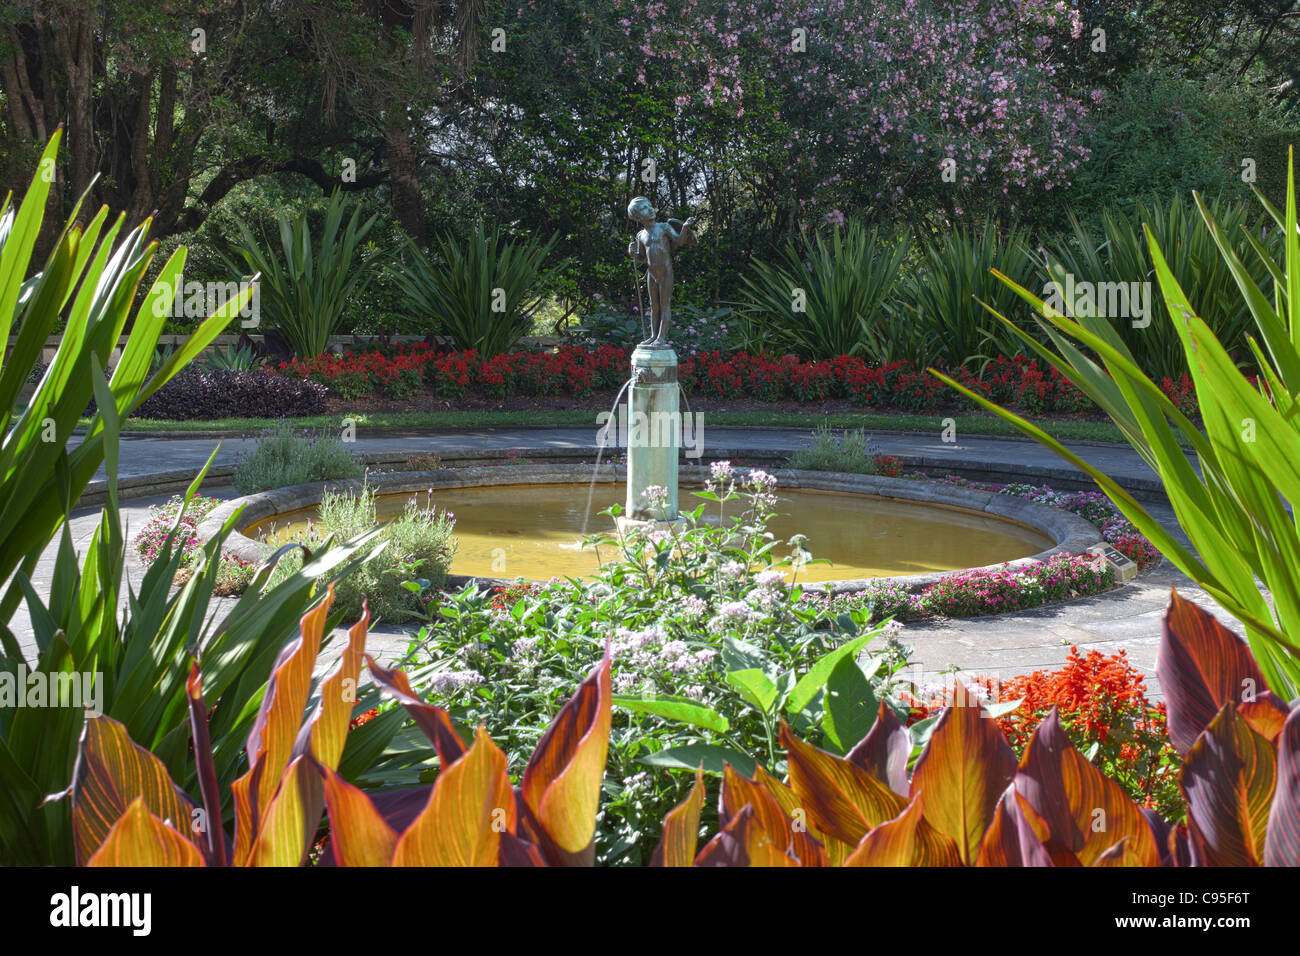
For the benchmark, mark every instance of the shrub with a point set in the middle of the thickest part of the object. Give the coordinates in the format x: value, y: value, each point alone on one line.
x: 845, y: 282
x: 210, y: 395
x: 848, y: 451
x: 284, y: 457
x: 997, y: 590
x: 419, y: 547
x: 157, y: 538
x: 458, y: 295
x: 304, y: 290
x: 1118, y: 252
x: 942, y: 295
x: 233, y: 358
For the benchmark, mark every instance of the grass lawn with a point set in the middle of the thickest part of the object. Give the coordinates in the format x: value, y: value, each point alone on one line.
x: 1065, y: 429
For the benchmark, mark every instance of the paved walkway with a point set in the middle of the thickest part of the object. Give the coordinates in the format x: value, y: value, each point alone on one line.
x: 150, y: 455
x: 1126, y: 618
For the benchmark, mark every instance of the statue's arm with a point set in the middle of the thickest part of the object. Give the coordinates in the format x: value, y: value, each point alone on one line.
x: 634, y: 247
x: 683, y: 234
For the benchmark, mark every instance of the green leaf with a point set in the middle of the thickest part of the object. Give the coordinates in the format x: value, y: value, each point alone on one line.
x: 740, y: 655
x: 710, y: 757
x: 815, y: 679
x: 685, y: 711
x: 849, y: 704
x: 755, y: 686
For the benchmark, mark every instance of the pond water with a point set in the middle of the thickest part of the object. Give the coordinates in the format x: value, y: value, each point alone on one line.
x: 535, y: 531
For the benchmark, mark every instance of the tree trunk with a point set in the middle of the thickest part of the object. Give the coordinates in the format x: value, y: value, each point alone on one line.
x: 408, y: 204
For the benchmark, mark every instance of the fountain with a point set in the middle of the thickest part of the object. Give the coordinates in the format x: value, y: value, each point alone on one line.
x: 652, y: 449
x: 528, y: 521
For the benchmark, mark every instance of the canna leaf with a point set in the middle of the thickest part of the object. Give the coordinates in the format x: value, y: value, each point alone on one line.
x: 1282, y: 838
x: 1083, y: 809
x: 1013, y: 837
x: 359, y: 835
x: 1202, y: 666
x: 561, y: 784
x: 327, y: 730
x: 681, y: 829
x: 906, y: 841
x: 842, y: 800
x: 470, y: 805
x: 790, y: 834
x: 885, y: 751
x: 272, y: 740
x: 1228, y: 781
x: 963, y: 771
x: 744, y: 842
x: 433, y: 721
x: 110, y: 774
x: 139, y: 838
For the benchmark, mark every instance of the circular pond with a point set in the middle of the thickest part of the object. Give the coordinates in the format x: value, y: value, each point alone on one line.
x: 535, y: 531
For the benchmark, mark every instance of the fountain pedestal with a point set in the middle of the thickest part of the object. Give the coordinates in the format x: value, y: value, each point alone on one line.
x: 654, y: 433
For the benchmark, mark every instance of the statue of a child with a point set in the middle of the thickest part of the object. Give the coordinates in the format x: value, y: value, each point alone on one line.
x: 657, y: 241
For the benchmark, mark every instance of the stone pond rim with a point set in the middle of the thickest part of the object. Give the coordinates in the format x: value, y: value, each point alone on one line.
x: 1069, y: 533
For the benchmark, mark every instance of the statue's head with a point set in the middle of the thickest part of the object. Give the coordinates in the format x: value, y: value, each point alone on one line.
x: 641, y: 210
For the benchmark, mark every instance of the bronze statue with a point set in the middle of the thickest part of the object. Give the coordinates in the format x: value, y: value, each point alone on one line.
x: 657, y: 241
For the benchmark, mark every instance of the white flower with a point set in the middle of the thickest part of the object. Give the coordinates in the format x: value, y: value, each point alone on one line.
x: 694, y: 607
x: 734, y: 611
x: 721, y: 470
x: 448, y: 682
x: 656, y: 495
x: 524, y: 646
x: 733, y: 569
x: 769, y: 578
x: 673, y: 650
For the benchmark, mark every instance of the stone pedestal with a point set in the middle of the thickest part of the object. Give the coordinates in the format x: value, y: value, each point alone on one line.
x: 654, y: 432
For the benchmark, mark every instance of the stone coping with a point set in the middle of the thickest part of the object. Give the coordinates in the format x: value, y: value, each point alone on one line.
x: 1069, y: 533
x: 1062, y: 477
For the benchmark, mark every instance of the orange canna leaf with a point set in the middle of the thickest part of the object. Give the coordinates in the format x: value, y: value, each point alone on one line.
x: 359, y: 834
x: 744, y: 842
x: 1228, y: 780
x: 964, y: 769
x: 561, y: 784
x: 111, y: 773
x: 843, y: 800
x: 789, y: 829
x: 433, y: 721
x: 681, y: 829
x: 884, y: 751
x: 139, y: 838
x: 906, y: 841
x: 1282, y: 839
x: 470, y: 806
x: 272, y: 741
x: 1202, y: 666
x: 1082, y: 808
x: 328, y: 726
x: 1013, y: 836
x: 291, y: 819
x: 1119, y: 855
